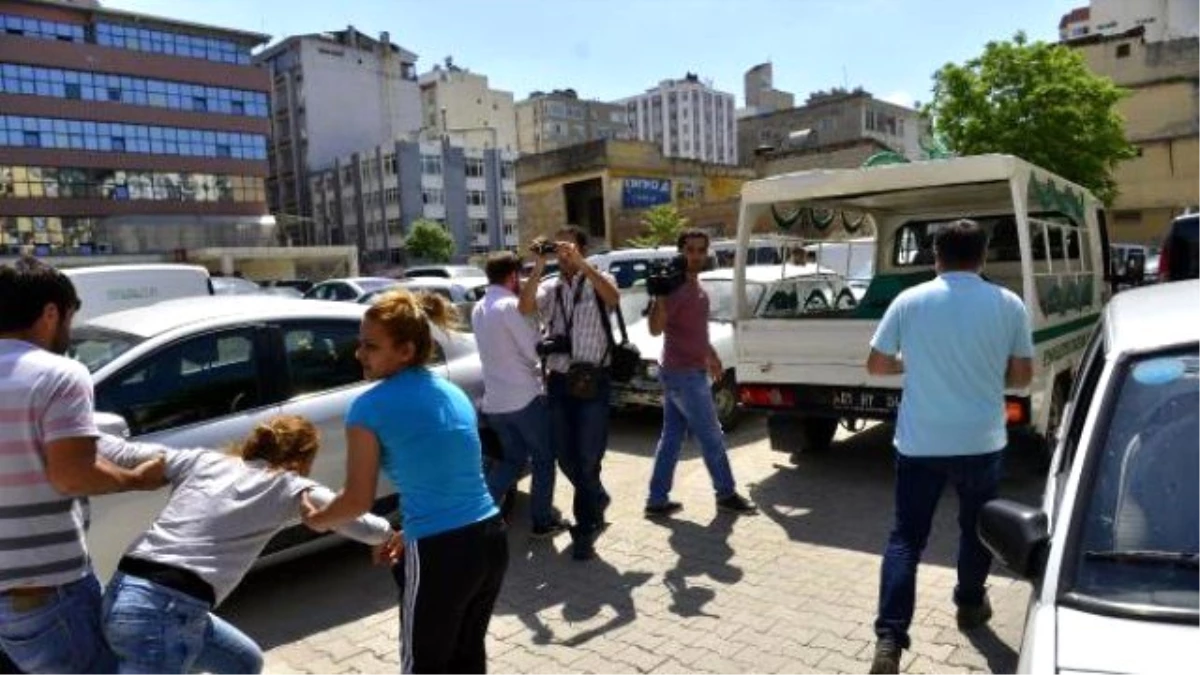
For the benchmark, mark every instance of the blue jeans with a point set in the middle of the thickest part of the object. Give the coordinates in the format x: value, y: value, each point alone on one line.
x: 525, y: 437
x: 155, y: 629
x: 688, y: 406
x: 61, y: 634
x: 579, y: 430
x: 919, y: 484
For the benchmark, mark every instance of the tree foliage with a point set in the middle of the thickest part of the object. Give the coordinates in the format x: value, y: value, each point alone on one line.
x: 1037, y: 101
x: 429, y: 241
x: 662, y: 225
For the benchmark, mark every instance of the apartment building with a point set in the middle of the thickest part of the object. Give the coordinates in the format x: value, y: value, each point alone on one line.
x: 687, y: 118
x: 761, y: 94
x: 371, y: 198
x: 458, y: 102
x: 123, y: 133
x: 332, y: 94
x: 548, y: 121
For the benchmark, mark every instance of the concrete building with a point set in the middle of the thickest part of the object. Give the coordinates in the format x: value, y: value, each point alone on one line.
x: 124, y: 134
x: 549, y: 121
x: 332, y: 94
x: 606, y: 186
x: 761, y: 95
x: 371, y: 198
x: 1161, y: 118
x: 832, y: 118
x: 1161, y: 20
x: 687, y: 118
x: 459, y: 102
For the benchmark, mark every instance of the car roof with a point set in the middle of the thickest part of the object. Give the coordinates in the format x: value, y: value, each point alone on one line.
x: 474, y: 271
x: 151, y: 320
x: 443, y: 282
x: 1153, y: 317
x: 765, y: 274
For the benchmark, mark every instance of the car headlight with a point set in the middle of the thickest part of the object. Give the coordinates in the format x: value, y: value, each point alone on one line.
x: 651, y: 370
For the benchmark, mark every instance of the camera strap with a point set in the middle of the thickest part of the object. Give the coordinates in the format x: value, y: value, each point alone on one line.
x: 612, y: 344
x: 568, y: 318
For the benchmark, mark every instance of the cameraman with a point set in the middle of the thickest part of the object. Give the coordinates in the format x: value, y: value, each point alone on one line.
x: 577, y: 385
x: 687, y: 362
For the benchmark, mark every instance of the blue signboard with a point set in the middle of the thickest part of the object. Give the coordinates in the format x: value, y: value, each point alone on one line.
x: 640, y: 193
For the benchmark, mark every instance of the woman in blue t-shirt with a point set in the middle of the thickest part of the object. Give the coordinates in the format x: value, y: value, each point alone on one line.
x: 422, y: 431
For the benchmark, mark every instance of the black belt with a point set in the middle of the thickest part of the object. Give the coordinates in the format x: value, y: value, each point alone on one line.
x: 185, y: 581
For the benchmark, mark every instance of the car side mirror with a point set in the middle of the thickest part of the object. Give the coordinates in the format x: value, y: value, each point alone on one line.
x: 112, y: 424
x: 1018, y: 535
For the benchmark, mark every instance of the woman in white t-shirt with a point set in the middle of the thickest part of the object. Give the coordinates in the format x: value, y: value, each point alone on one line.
x: 224, y: 508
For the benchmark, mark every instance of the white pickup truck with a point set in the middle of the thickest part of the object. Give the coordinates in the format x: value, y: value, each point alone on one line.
x: 1048, y: 245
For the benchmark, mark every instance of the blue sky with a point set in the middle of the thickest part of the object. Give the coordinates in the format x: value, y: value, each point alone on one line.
x: 608, y: 49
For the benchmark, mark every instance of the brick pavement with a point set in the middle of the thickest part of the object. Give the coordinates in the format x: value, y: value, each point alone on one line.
x: 792, y: 589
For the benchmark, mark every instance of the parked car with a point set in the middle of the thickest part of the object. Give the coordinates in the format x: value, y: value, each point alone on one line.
x: 458, y: 290
x: 283, y: 292
x: 1112, y: 550
x: 444, y: 271
x: 775, y: 289
x: 1180, y: 254
x: 203, y: 372
x: 631, y: 265
x: 104, y: 289
x: 302, y: 285
x: 235, y: 286
x: 348, y: 290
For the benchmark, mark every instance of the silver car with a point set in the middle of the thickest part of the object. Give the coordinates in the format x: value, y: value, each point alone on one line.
x: 203, y: 372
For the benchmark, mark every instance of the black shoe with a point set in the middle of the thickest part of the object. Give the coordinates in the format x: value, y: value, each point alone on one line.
x: 583, y: 543
x: 662, y: 510
x: 555, y: 528
x: 887, y: 657
x: 973, y: 616
x: 738, y: 504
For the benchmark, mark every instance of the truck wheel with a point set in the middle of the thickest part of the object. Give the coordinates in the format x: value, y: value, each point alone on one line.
x: 725, y: 400
x: 799, y: 434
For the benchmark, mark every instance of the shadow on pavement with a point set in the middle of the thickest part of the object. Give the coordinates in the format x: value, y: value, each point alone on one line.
x: 539, y: 579
x: 635, y: 431
x: 843, y: 498
x: 1000, y: 657
x: 290, y: 601
x: 703, y: 551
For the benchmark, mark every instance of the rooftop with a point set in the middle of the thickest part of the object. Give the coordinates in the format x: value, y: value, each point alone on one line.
x: 95, y: 9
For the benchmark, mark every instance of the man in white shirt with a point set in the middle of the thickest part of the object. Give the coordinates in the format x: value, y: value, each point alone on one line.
x: 514, y: 403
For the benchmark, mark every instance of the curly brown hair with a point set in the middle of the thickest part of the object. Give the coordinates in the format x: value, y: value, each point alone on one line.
x: 287, y: 442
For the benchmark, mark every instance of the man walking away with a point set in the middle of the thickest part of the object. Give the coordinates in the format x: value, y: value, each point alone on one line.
x: 49, y: 596
x: 578, y: 387
x: 688, y: 361
x: 513, y: 400
x: 959, y: 341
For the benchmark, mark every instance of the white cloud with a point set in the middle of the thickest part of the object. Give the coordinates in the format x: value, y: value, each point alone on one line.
x: 900, y: 98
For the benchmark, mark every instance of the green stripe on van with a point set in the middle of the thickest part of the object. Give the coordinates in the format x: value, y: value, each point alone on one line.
x: 1053, y: 332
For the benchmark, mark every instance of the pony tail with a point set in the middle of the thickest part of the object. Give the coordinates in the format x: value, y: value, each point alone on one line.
x: 440, y: 311
x: 263, y: 443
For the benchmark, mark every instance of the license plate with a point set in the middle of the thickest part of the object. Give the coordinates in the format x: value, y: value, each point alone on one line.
x: 865, y: 401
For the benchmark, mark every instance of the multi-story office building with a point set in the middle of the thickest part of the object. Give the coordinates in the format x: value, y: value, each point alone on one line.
x: 332, y: 94
x: 549, y: 121
x: 127, y: 133
x: 458, y: 102
x: 687, y: 118
x: 372, y: 198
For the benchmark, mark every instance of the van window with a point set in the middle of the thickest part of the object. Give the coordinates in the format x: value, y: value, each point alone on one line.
x: 913, y: 245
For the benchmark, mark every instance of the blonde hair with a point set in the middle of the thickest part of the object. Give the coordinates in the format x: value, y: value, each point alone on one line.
x: 287, y: 442
x: 406, y: 317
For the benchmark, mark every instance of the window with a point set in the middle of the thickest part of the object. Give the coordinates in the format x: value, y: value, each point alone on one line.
x: 433, y: 196
x: 510, y: 200
x: 431, y: 165
x: 508, y: 170
x: 392, y: 195
x: 176, y: 44
x: 479, y: 226
x: 476, y: 198
x: 200, y: 379
x: 474, y: 167
x: 61, y: 134
x: 913, y: 245
x: 42, y: 30
x: 320, y: 356
x: 1123, y: 51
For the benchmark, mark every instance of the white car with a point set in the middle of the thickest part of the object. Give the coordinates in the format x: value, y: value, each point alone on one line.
x: 348, y: 290
x: 203, y: 372
x: 774, y: 290
x: 1112, y: 550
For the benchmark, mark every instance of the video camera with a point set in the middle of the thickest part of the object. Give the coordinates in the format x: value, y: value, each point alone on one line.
x: 665, y: 277
x: 543, y: 247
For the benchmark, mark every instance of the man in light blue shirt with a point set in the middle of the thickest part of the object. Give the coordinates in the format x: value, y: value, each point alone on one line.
x: 959, y: 342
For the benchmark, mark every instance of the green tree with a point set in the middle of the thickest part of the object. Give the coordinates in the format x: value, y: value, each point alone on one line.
x: 1037, y: 101
x: 662, y: 225
x: 429, y: 241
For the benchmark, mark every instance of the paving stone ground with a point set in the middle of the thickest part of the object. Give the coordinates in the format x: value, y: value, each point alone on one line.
x: 791, y: 590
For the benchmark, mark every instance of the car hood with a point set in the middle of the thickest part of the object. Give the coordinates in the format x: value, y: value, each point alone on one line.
x: 1090, y: 643
x: 720, y: 335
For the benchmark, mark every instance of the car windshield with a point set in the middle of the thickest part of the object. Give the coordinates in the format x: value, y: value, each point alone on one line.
x: 1139, y: 543
x: 97, y: 347
x: 720, y: 297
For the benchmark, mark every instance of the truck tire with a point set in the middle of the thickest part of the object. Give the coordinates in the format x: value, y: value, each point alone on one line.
x: 796, y: 434
x: 725, y: 401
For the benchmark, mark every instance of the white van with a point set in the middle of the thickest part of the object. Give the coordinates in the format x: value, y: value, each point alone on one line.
x: 1048, y: 245
x: 111, y: 288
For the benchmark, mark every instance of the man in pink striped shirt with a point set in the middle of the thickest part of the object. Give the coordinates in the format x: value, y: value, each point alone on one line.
x: 49, y: 596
